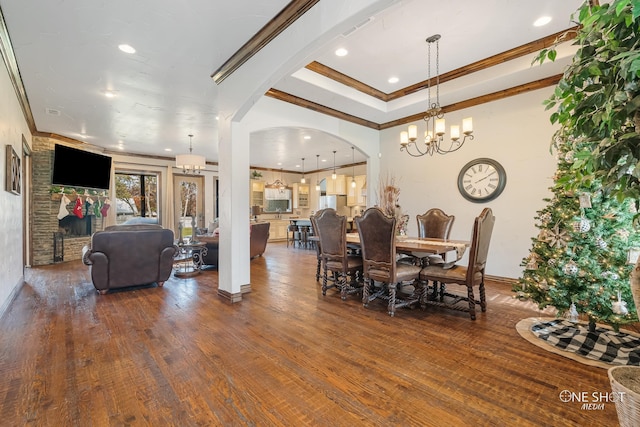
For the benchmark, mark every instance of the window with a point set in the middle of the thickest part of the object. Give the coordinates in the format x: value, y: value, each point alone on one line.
x: 136, y: 197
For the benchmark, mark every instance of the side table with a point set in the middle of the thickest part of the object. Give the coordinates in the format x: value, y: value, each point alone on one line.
x: 188, y: 262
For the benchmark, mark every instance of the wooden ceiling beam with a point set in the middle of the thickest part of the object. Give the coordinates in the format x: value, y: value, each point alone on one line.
x: 287, y: 16
x: 516, y: 90
x: 335, y: 75
x: 301, y: 102
x: 509, y: 55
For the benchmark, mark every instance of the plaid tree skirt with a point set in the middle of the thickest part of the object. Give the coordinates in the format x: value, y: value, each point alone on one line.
x: 604, y: 345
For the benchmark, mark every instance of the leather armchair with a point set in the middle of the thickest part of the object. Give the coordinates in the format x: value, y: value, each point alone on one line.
x: 130, y: 255
x: 257, y: 243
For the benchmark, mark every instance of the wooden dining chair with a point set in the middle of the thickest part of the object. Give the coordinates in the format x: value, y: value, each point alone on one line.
x: 378, y: 242
x: 469, y: 276
x: 435, y: 224
x: 314, y: 231
x: 332, y: 231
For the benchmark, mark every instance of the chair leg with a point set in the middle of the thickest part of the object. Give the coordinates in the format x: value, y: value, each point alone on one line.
x: 342, y: 280
x: 318, y: 269
x: 424, y: 294
x: 472, y: 302
x: 392, y: 298
x: 483, y: 297
x: 324, y: 281
x: 365, y: 292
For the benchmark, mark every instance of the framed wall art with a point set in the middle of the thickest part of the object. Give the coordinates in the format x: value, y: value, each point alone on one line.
x: 13, y: 178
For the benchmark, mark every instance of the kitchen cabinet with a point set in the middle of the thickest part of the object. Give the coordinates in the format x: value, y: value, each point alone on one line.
x: 300, y: 196
x: 257, y: 193
x: 278, y: 229
x: 336, y: 186
x: 357, y: 196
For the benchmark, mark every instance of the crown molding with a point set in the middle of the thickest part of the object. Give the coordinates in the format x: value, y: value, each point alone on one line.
x: 287, y: 16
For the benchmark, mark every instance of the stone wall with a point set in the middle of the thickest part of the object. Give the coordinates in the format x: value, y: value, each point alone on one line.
x: 46, y: 207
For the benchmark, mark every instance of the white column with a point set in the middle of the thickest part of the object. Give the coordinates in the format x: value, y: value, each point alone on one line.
x: 233, y: 259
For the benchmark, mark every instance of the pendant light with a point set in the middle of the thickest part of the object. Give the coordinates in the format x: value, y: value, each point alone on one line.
x: 353, y: 167
x: 303, y: 180
x: 190, y: 163
x: 333, y: 175
x: 317, y: 171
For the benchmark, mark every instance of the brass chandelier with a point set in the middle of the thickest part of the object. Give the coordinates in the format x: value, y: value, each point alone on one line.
x: 434, y: 117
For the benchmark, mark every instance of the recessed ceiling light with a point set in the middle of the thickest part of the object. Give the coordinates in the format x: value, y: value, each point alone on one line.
x: 126, y: 48
x: 120, y: 147
x: 279, y: 163
x: 323, y: 160
x: 393, y: 80
x: 168, y: 149
x: 307, y: 137
x: 109, y: 94
x: 543, y: 20
x: 341, y: 52
x: 297, y: 166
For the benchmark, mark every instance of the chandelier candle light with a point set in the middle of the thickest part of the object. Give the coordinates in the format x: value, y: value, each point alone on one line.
x: 190, y: 163
x: 334, y: 175
x: 434, y: 116
x: 317, y: 171
x: 353, y: 167
x: 303, y: 180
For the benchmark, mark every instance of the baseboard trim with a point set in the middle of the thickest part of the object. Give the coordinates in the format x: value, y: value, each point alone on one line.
x: 12, y: 296
x: 232, y: 298
x: 245, y: 289
x: 506, y: 281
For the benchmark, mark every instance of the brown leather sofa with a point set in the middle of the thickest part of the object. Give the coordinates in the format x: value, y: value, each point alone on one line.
x: 257, y: 243
x: 130, y: 255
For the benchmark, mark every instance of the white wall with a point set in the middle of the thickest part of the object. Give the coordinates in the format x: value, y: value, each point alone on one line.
x: 514, y: 131
x: 12, y: 127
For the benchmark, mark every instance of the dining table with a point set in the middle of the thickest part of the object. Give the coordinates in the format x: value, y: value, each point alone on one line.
x: 422, y: 244
x: 419, y: 244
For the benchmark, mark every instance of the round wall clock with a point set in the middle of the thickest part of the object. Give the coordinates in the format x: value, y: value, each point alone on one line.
x: 481, y: 180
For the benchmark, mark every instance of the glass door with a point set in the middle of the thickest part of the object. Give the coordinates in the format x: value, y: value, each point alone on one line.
x: 188, y: 204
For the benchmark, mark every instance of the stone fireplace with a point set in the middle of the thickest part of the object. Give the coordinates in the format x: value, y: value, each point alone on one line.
x: 45, y: 224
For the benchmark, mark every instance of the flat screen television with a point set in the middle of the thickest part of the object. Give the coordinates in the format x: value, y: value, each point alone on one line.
x: 78, y: 168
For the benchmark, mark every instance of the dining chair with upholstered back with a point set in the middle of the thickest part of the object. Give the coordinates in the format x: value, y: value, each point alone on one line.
x: 469, y: 276
x: 332, y: 232
x: 377, y: 240
x: 435, y: 224
x: 314, y: 231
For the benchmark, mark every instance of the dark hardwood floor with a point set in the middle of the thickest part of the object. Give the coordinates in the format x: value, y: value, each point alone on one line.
x: 284, y: 356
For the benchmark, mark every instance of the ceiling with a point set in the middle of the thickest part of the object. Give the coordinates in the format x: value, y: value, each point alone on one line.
x: 68, y: 58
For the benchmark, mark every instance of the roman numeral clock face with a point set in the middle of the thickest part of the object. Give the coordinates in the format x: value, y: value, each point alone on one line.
x: 481, y: 180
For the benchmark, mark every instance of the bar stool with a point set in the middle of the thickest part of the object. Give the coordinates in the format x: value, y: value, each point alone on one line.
x: 294, y: 230
x: 304, y: 235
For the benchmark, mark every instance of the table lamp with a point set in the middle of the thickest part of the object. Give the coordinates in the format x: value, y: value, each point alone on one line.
x: 255, y: 211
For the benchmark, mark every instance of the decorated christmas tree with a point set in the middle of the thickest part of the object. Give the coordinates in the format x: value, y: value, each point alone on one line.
x: 579, y: 262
